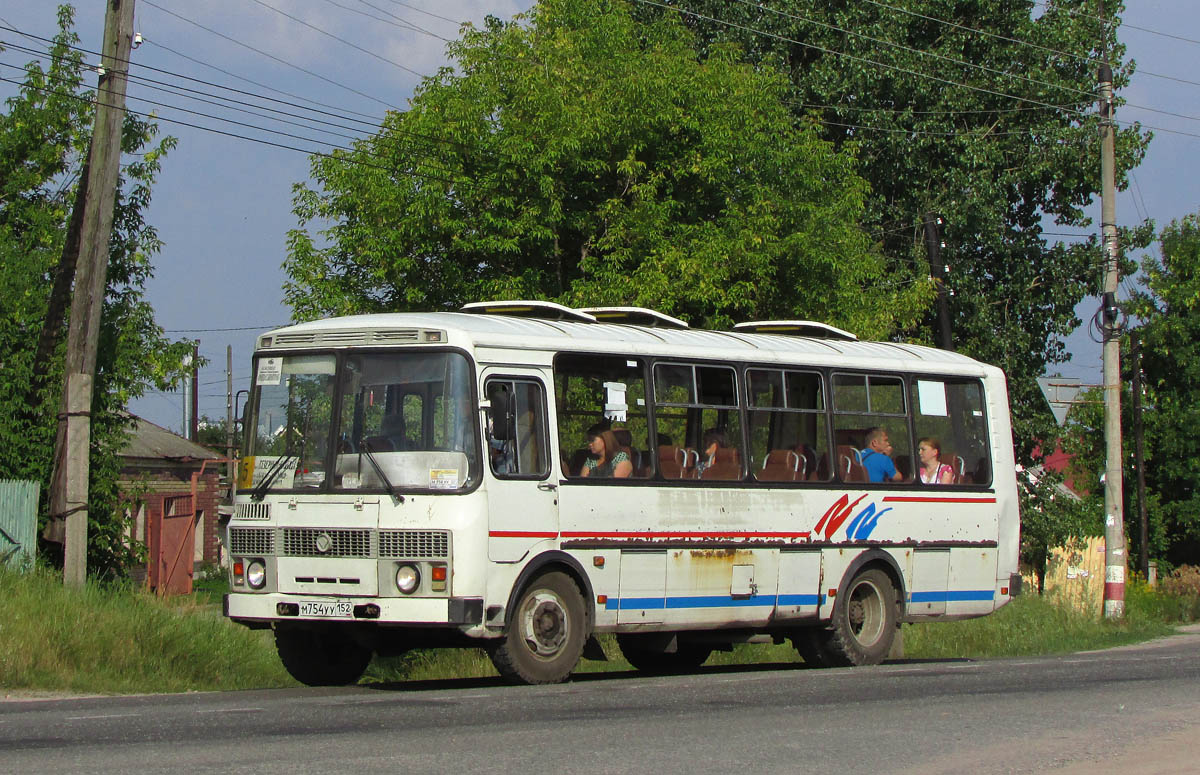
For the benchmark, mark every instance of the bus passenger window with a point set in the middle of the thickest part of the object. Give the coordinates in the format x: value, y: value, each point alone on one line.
x: 594, y: 394
x: 870, y: 429
x: 789, y: 431
x: 697, y: 406
x: 948, y: 414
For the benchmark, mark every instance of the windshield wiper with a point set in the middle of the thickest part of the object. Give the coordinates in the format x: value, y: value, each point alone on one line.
x: 275, y: 471
x: 379, y: 470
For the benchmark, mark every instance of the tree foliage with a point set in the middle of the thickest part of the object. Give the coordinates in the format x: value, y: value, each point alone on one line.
x: 1168, y: 307
x: 44, y: 135
x: 576, y: 155
x: 982, y: 112
x: 1050, y: 517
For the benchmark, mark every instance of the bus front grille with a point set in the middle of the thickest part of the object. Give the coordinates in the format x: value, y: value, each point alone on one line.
x: 326, y: 542
x: 251, y: 540
x: 414, y: 544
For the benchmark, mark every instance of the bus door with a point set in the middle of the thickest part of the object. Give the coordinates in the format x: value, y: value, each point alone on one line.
x: 522, y: 501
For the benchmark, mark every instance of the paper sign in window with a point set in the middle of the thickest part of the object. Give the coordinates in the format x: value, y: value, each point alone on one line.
x: 932, y: 397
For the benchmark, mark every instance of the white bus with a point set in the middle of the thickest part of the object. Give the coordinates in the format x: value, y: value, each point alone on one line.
x: 418, y: 480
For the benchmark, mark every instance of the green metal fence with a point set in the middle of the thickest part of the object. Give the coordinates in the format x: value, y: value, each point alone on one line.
x: 18, y: 522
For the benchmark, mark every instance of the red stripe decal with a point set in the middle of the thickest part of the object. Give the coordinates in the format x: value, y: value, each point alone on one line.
x: 677, y: 534
x: 520, y: 534
x: 933, y: 499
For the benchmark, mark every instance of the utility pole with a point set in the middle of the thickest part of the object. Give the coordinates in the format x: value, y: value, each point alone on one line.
x: 194, y: 426
x: 1114, y: 513
x: 1140, y: 459
x: 69, y: 484
x: 231, y: 472
x: 933, y: 245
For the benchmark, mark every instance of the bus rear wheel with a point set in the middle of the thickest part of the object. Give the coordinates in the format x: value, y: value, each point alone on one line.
x: 864, y: 621
x: 546, y: 634
x: 646, y: 654
x: 321, y: 656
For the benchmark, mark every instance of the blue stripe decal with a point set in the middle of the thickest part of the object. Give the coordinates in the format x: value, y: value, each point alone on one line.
x: 709, y: 601
x: 953, y: 596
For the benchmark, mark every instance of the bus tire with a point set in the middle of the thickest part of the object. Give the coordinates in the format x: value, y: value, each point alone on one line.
x: 864, y: 620
x: 641, y: 652
x: 812, y: 644
x: 546, y: 634
x: 321, y: 656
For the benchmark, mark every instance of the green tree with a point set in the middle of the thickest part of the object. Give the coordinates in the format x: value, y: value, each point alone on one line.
x: 1168, y: 307
x: 965, y: 120
x: 44, y: 135
x: 576, y: 155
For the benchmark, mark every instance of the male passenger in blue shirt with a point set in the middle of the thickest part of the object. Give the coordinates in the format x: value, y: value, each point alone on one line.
x: 876, y: 457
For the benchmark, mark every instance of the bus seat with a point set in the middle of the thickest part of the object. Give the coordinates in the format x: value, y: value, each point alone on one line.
x: 957, y: 465
x: 671, y: 461
x: 782, y: 465
x: 727, y: 464
x: 850, y: 468
x: 904, y: 466
x: 691, y: 458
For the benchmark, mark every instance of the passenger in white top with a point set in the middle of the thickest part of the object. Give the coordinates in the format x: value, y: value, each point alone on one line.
x: 933, y: 470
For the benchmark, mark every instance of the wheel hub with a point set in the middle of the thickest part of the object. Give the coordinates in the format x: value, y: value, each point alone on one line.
x: 545, y: 625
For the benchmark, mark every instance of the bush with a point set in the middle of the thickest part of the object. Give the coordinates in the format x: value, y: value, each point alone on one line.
x: 1183, y: 581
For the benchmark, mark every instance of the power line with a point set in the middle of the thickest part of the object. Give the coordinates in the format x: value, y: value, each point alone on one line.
x: 328, y: 34
x: 202, y: 63
x: 1068, y: 54
x: 911, y: 50
x: 1084, y: 15
x: 310, y: 152
x: 420, y: 10
x: 395, y: 21
x: 268, y: 56
x: 852, y: 57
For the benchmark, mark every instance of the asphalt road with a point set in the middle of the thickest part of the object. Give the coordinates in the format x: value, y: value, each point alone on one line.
x: 1135, y: 709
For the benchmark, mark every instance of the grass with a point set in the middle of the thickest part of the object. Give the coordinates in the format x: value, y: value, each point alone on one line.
x: 113, y: 640
x: 109, y: 640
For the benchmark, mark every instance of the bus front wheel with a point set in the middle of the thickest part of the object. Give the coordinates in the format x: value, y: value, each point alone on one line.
x: 864, y: 621
x: 321, y: 656
x: 546, y: 633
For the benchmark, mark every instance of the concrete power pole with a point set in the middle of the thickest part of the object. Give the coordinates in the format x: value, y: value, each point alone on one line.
x: 1115, y: 558
x: 69, y: 485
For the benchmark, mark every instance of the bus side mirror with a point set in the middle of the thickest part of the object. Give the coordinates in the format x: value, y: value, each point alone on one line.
x: 500, y: 416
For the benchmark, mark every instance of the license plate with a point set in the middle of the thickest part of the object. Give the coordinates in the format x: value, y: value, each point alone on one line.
x: 338, y: 610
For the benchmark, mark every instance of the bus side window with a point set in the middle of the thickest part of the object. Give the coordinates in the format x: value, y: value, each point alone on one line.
x: 948, y: 414
x: 520, y: 451
x: 595, y: 392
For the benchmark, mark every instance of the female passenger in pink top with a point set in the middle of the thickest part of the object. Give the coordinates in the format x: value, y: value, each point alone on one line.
x: 933, y: 470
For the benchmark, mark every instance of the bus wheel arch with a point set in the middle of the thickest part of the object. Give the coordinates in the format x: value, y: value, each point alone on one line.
x: 866, y: 613
x: 548, y: 627
x: 545, y: 563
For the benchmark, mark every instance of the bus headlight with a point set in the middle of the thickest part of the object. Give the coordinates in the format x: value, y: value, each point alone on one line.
x: 256, y: 574
x: 408, y: 578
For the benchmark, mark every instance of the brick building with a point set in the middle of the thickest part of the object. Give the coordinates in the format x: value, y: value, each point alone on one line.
x: 157, y: 470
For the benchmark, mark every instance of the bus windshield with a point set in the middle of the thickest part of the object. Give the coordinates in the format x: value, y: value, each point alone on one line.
x: 386, y: 421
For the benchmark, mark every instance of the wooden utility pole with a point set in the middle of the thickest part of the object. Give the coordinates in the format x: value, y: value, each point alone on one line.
x: 933, y: 245
x: 1115, y: 560
x: 230, y: 470
x: 69, y: 485
x: 1139, y: 460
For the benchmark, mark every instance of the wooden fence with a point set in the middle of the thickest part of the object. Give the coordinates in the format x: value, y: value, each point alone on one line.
x: 18, y: 522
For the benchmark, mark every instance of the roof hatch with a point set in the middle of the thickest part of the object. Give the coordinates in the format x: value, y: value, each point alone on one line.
x: 807, y: 328
x: 638, y: 316
x: 540, y: 310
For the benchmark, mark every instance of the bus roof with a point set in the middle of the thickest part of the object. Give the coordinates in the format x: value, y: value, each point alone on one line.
x: 522, y: 333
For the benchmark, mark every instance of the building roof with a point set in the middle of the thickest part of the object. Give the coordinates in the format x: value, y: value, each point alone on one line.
x: 153, y: 442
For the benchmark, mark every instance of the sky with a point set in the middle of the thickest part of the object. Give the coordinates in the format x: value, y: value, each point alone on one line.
x: 223, y: 205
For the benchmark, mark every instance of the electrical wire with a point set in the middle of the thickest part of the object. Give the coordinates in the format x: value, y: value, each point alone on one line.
x: 268, y: 56
x: 395, y: 21
x: 328, y: 34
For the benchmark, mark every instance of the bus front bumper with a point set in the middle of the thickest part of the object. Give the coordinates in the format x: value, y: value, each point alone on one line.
x: 259, y: 610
